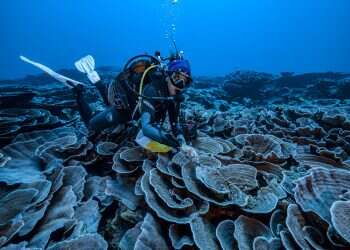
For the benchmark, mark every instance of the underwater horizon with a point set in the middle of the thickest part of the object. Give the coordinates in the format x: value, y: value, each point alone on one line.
x: 218, y: 38
x: 174, y: 124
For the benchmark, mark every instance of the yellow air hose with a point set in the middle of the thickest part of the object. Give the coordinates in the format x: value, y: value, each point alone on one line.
x: 138, y: 106
x: 147, y: 143
x: 144, y: 76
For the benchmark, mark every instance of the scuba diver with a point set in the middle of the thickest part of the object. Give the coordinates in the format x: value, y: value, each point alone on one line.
x: 146, y: 90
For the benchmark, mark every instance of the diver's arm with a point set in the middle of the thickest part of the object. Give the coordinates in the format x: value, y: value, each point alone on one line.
x: 177, y: 131
x: 175, y: 128
x: 174, y: 111
x: 155, y: 133
x: 149, y: 129
x: 102, y: 89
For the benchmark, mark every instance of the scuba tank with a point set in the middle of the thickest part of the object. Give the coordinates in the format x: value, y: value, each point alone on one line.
x: 136, y: 73
x: 131, y: 76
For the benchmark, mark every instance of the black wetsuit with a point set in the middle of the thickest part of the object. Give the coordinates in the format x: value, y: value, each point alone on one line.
x: 153, y: 112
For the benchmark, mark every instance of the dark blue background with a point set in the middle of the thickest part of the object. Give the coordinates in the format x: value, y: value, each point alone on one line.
x: 218, y: 36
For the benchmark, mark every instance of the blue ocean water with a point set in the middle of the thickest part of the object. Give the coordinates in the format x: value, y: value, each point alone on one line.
x: 257, y: 158
x: 217, y: 36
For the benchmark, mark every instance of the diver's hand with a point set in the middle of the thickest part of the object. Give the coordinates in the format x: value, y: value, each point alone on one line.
x: 181, y: 139
x: 190, y: 152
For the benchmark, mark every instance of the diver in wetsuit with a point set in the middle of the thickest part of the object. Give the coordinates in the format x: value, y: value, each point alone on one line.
x: 160, y: 96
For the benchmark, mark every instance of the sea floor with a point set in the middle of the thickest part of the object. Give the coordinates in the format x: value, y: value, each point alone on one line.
x: 273, y: 169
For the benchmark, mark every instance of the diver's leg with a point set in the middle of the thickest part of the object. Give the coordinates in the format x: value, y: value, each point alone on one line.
x: 83, y: 106
x: 110, y: 117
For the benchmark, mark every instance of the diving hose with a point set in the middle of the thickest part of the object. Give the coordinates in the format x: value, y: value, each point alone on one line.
x: 144, y: 76
x: 140, y: 95
x: 156, y: 64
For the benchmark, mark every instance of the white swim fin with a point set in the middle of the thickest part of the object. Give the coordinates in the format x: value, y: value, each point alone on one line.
x: 63, y: 79
x: 87, y: 65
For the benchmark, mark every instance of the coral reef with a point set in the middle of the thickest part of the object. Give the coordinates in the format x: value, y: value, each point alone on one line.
x: 273, y: 169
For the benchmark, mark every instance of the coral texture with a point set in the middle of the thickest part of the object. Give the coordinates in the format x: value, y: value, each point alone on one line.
x: 272, y: 173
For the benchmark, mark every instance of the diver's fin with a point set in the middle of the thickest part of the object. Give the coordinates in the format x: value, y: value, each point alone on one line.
x: 65, y: 80
x: 87, y: 65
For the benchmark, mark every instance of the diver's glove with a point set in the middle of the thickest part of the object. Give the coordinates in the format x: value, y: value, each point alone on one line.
x: 190, y: 152
x: 87, y: 65
x: 181, y: 139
